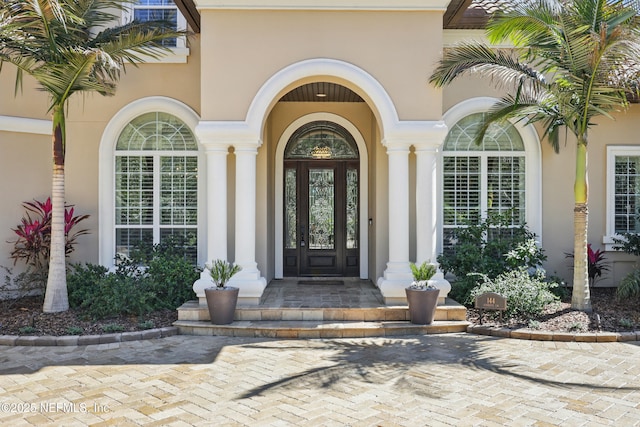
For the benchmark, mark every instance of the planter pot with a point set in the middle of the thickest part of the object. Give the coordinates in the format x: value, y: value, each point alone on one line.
x: 222, y: 304
x: 422, y: 305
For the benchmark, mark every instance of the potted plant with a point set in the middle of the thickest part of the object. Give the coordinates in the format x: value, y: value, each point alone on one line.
x: 222, y: 299
x: 422, y: 296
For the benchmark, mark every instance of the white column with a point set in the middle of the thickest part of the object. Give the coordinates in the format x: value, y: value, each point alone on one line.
x: 426, y: 202
x: 217, y: 202
x: 427, y: 210
x: 398, y: 275
x: 248, y: 279
x: 216, y: 212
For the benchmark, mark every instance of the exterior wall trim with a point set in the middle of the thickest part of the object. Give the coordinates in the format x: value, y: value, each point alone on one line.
x: 26, y: 125
x: 365, y: 84
x: 413, y: 5
x: 106, y: 180
x: 364, y: 187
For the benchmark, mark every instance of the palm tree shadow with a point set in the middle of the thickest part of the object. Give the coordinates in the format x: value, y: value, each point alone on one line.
x: 408, y: 364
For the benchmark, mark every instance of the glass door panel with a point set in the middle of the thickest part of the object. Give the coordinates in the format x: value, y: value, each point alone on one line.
x: 321, y: 209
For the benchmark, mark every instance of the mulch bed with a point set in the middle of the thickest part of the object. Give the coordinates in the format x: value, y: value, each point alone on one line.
x: 24, y: 317
x: 609, y: 315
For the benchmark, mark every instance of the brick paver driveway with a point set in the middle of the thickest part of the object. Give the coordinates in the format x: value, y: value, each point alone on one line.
x: 427, y: 380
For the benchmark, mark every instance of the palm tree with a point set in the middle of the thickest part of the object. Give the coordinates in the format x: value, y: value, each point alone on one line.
x: 71, y: 46
x: 574, y: 60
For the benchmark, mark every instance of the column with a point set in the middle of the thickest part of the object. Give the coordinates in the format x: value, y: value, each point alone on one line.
x: 248, y: 279
x: 216, y: 154
x: 398, y: 275
x: 426, y: 210
x: 426, y: 202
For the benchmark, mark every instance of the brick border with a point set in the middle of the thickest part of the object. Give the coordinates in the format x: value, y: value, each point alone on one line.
x: 67, y: 340
x: 528, y: 334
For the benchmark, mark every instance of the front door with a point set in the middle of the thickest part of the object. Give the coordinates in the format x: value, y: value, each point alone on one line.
x: 321, y: 214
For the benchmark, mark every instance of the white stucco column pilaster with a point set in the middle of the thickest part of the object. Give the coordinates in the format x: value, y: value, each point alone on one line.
x: 217, y: 137
x: 426, y: 201
x: 216, y: 155
x: 249, y: 281
x: 427, y: 208
x: 426, y: 137
x: 397, y: 275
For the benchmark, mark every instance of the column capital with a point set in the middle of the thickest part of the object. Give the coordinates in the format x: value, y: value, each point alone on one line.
x: 245, y: 148
x: 227, y: 133
x: 416, y: 133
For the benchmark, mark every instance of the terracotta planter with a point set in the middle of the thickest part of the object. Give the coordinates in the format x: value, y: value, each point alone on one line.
x: 222, y: 304
x: 422, y: 305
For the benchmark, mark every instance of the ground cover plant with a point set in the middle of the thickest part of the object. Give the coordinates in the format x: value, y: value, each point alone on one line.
x: 490, y: 248
x: 629, y: 287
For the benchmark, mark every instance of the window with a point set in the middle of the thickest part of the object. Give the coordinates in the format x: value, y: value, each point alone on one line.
x: 165, y: 10
x: 623, y: 191
x: 156, y: 183
x: 478, y: 180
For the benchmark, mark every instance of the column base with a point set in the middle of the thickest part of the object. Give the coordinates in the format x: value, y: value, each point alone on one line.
x: 396, y: 278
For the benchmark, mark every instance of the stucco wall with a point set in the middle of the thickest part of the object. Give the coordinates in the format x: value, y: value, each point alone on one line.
x: 25, y: 159
x: 245, y: 48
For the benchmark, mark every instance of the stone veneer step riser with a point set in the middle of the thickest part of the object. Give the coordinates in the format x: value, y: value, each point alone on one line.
x: 193, y: 311
x: 342, y: 330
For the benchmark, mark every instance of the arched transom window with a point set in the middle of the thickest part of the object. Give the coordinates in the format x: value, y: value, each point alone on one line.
x: 481, y: 179
x: 156, y: 183
x: 321, y: 140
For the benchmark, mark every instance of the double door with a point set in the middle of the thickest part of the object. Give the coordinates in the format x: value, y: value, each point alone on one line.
x: 321, y: 218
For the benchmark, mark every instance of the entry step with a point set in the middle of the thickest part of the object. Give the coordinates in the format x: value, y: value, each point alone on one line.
x: 309, y: 329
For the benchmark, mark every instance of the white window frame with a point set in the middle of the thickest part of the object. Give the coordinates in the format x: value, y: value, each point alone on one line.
x: 614, y: 151
x: 533, y: 164
x: 107, y: 156
x: 180, y: 52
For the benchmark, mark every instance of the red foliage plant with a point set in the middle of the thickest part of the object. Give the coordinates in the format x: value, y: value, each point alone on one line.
x: 34, y: 233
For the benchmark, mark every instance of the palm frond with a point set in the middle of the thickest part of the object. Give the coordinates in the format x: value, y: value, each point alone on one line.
x: 55, y: 42
x: 479, y: 58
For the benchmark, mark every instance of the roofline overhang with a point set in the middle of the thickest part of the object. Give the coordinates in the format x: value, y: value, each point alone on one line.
x: 396, y: 5
x: 190, y: 12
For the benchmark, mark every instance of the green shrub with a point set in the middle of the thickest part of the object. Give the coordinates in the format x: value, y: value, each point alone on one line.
x: 74, y: 330
x: 27, y: 330
x: 526, y: 294
x: 82, y: 282
x: 112, y: 327
x: 147, y: 324
x: 490, y: 248
x: 153, y: 279
x: 629, y: 287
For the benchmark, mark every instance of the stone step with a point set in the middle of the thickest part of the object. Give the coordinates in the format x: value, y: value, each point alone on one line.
x: 290, y: 322
x: 309, y: 329
x: 451, y: 310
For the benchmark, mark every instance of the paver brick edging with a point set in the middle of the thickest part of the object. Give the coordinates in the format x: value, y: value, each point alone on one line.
x: 526, y: 334
x: 67, y: 340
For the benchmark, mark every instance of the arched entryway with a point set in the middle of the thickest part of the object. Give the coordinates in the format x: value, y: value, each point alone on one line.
x: 321, y: 191
x: 321, y: 202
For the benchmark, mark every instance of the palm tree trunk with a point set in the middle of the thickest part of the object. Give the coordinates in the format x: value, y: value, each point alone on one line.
x: 580, y: 297
x: 56, y: 298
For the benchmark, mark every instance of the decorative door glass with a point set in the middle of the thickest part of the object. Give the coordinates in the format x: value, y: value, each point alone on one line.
x: 290, y: 209
x: 321, y: 209
x: 352, y: 208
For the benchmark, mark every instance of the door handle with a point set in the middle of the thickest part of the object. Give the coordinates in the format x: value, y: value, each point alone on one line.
x: 302, y: 244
